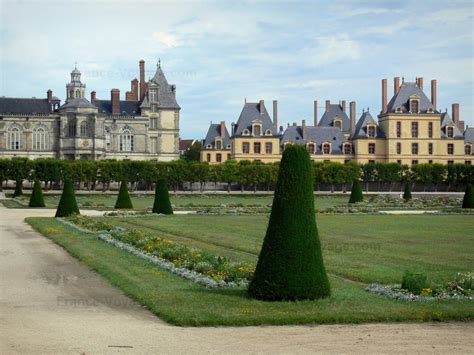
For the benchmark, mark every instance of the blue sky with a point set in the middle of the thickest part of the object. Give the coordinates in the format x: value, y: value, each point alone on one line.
x: 220, y: 52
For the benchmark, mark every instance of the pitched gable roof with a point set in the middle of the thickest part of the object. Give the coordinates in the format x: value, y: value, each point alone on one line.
x: 469, y: 135
x: 361, y: 126
x: 214, y: 132
x: 446, y: 120
x: 335, y: 111
x: 400, y: 100
x: 166, y: 96
x: 24, y: 106
x: 319, y: 135
x: 251, y: 112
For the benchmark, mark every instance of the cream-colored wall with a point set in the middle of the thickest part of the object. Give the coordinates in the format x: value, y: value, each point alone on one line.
x: 361, y: 149
x: 238, y: 154
x: 213, y: 154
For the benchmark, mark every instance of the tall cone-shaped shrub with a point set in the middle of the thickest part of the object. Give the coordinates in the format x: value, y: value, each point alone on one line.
x: 356, y: 192
x: 407, y: 191
x: 290, y: 265
x: 123, y: 199
x: 67, y: 204
x: 36, y: 199
x: 162, y: 202
x: 468, y: 200
x: 18, y: 188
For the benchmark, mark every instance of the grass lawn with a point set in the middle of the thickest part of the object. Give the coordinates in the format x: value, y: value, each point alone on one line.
x: 365, y: 247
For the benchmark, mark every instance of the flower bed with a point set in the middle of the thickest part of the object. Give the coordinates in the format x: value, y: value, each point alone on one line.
x: 88, y: 224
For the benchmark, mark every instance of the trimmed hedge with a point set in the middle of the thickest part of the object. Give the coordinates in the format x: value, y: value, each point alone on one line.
x: 18, y: 188
x: 162, y: 202
x: 36, y: 198
x: 67, y: 204
x: 468, y: 200
x: 123, y: 199
x: 407, y: 192
x: 290, y: 265
x: 356, y: 193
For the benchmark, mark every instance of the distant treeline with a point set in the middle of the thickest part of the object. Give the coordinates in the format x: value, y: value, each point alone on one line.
x: 249, y: 175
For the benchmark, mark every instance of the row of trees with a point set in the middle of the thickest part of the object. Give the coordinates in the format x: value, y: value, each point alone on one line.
x: 247, y: 174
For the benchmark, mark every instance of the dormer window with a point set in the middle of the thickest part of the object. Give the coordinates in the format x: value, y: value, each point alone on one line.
x: 338, y: 123
x: 153, y: 95
x: 414, y: 105
x: 399, y: 109
x: 347, y: 148
x: 311, y: 148
x: 326, y: 148
x: 371, y: 131
x: 228, y: 146
x: 268, y: 132
x: 246, y: 132
x: 257, y: 129
x: 450, y: 132
x: 430, y: 110
x: 208, y: 146
x: 218, y: 144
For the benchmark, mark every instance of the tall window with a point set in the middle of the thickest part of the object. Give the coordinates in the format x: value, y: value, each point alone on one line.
x: 153, y: 123
x: 371, y: 131
x: 326, y: 148
x: 208, y: 157
x: 430, y: 129
x: 154, y: 144
x: 338, y: 124
x: 257, y: 148
x: 126, y: 140
x: 310, y: 148
x: 347, y: 148
x: 414, y: 148
x: 371, y: 148
x: 399, y: 129
x: 71, y: 129
x: 399, y: 148
x: 257, y: 130
x: 414, y: 106
x: 107, y: 138
x: 450, y: 132
x: 414, y: 129
x: 85, y: 129
x: 467, y: 149
x: 450, y: 149
x: 430, y: 148
x: 246, y: 147
x: 153, y: 95
x: 218, y: 144
x: 15, y: 138
x: 269, y: 147
x: 414, y: 162
x: 218, y: 157
x: 39, y: 138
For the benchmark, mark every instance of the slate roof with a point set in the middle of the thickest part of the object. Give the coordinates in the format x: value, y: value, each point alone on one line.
x: 213, y: 132
x: 361, y: 127
x: 401, y: 99
x: 166, y: 97
x: 328, y: 117
x: 80, y: 102
x: 445, y: 120
x: 129, y: 108
x: 24, y: 106
x: 469, y: 135
x: 251, y: 112
x: 319, y: 135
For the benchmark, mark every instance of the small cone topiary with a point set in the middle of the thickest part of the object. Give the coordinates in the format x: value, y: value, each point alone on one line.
x: 18, y: 188
x: 407, y: 192
x: 36, y: 199
x: 468, y: 200
x: 67, y: 204
x: 123, y: 198
x: 290, y: 265
x: 162, y: 202
x: 356, y: 193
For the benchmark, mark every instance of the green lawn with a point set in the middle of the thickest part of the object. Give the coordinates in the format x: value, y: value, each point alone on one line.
x: 366, y: 248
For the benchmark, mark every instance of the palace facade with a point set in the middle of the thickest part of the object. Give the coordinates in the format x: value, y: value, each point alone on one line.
x: 409, y: 129
x: 144, y: 126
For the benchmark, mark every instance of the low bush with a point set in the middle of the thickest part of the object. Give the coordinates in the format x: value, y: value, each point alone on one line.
x: 414, y: 282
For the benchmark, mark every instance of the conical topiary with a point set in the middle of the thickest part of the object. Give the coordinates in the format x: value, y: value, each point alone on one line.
x: 162, y: 202
x: 468, y: 200
x: 407, y: 192
x: 123, y: 198
x: 290, y: 265
x: 67, y: 204
x: 36, y: 198
x: 18, y: 188
x: 356, y: 193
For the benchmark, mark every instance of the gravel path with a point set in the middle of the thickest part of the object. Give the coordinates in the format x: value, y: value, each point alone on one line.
x: 51, y: 303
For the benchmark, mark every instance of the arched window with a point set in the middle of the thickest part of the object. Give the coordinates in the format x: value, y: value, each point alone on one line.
x: 371, y: 131
x: 257, y: 129
x: 338, y: 124
x: 15, y: 138
x: 85, y: 129
x: 311, y: 147
x: 218, y: 144
x: 107, y: 138
x: 414, y: 106
x: 268, y: 132
x: 327, y: 148
x: 40, y: 138
x: 450, y: 132
x: 245, y: 132
x: 78, y: 94
x: 126, y: 140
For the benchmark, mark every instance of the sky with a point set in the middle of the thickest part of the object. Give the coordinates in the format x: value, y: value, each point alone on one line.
x: 219, y: 53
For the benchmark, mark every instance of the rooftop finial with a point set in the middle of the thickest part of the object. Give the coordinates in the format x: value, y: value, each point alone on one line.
x: 159, y: 63
x: 75, y: 65
x: 403, y: 79
x: 368, y: 109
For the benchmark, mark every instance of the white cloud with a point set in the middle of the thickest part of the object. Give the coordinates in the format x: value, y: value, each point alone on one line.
x: 166, y: 39
x: 332, y: 49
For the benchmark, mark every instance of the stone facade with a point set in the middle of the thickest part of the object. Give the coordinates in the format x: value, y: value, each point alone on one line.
x: 145, y: 129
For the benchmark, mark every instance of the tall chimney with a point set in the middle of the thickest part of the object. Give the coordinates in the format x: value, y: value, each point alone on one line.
x: 420, y: 83
x: 93, y: 96
x: 223, y: 129
x: 303, y: 129
x: 433, y: 93
x: 343, y: 105
x: 328, y: 103
x: 352, y: 106
x: 135, y: 89
x: 275, y: 114
x: 384, y: 95
x: 261, y: 107
x: 49, y: 95
x: 115, y: 101
x: 455, y: 113
x: 315, y: 113
x: 396, y: 85
x: 142, y: 79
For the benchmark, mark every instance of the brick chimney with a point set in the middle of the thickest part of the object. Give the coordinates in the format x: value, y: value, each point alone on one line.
x: 132, y: 95
x: 261, y: 107
x: 384, y: 95
x: 433, y: 93
x: 396, y: 85
x: 352, y: 106
x: 343, y: 105
x: 142, y: 79
x: 49, y: 95
x: 303, y: 129
x: 222, y: 129
x: 93, y: 96
x: 275, y: 114
x: 420, y: 83
x: 328, y: 103
x: 115, y: 101
x: 455, y: 113
x: 315, y: 113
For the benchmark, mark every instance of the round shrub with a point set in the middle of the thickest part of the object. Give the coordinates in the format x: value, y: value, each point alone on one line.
x: 468, y: 200
x: 123, y: 199
x: 162, y: 202
x: 18, y: 188
x: 67, y: 204
x: 290, y: 265
x: 407, y: 192
x: 356, y: 193
x: 36, y: 199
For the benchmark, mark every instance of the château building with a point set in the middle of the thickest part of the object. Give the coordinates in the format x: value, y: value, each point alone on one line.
x: 410, y: 129
x: 144, y: 126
